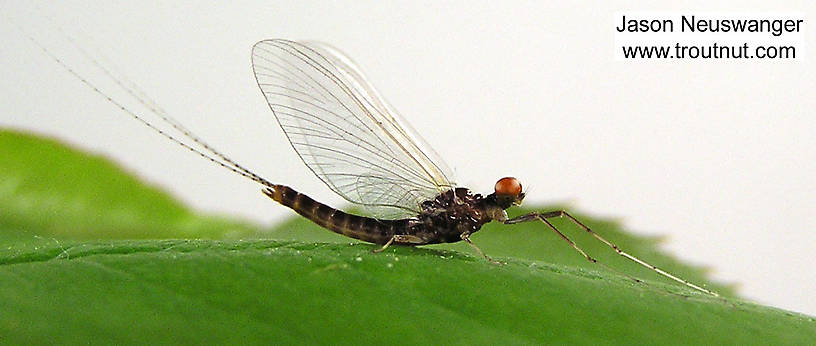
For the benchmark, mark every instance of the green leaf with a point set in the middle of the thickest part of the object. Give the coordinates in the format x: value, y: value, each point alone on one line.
x: 49, y: 189
x: 291, y: 292
x: 58, y: 287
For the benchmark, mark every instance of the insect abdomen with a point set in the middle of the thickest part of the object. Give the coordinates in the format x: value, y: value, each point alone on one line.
x: 357, y: 227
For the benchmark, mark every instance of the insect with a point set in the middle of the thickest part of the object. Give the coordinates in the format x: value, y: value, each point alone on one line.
x: 359, y: 146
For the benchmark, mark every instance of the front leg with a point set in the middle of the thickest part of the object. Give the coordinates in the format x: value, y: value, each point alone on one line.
x: 560, y: 213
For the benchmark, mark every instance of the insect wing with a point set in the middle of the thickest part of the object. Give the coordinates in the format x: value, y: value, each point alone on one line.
x: 419, y: 149
x: 344, y: 131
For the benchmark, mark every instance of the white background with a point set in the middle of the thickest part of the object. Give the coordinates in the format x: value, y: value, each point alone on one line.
x: 716, y: 155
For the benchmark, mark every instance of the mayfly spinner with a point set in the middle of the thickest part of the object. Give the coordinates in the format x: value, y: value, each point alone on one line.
x: 353, y: 141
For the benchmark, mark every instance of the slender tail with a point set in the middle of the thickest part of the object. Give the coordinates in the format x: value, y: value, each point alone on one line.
x: 203, y: 149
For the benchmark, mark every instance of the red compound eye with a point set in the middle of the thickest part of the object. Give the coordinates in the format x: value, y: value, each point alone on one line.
x: 508, y: 186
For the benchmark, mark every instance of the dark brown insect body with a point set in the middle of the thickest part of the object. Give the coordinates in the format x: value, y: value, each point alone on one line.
x: 445, y: 219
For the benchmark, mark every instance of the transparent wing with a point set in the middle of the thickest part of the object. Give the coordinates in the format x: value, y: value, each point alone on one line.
x: 344, y: 131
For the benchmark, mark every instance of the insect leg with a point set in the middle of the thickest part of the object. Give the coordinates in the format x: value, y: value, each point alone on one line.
x: 401, y: 239
x: 466, y: 238
x: 561, y: 213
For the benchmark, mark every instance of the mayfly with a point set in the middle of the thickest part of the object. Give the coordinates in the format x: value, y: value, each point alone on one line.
x: 359, y: 146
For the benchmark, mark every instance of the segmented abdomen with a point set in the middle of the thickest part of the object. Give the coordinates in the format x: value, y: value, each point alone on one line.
x: 357, y: 227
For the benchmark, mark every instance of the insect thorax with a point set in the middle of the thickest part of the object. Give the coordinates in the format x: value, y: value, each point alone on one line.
x: 445, y: 218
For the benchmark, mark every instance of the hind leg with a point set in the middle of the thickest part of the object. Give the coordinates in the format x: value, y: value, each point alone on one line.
x: 403, y: 239
x: 466, y: 238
